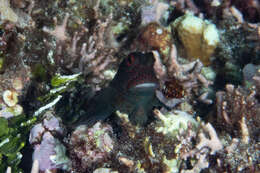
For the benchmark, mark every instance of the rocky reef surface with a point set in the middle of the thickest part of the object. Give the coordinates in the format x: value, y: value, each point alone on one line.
x: 138, y: 86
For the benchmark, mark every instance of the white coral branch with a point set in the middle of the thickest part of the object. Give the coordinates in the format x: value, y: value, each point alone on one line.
x: 213, y: 142
x: 35, y: 166
x: 159, y: 68
x: 244, y: 131
x: 60, y: 30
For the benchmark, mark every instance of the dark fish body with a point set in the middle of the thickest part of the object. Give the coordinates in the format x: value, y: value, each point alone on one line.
x: 132, y: 91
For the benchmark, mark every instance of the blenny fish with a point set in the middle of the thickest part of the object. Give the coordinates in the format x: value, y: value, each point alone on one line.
x: 132, y: 91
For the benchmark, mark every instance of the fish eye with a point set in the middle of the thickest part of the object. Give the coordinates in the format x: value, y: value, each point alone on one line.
x: 130, y: 61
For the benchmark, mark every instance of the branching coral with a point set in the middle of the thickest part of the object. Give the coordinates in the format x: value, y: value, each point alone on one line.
x: 238, y: 108
x: 188, y: 75
x: 60, y: 30
x: 95, y: 55
x: 87, y: 43
x: 154, y: 12
x: 203, y: 148
x: 201, y: 164
x: 213, y: 142
x: 239, y: 157
x: 193, y: 141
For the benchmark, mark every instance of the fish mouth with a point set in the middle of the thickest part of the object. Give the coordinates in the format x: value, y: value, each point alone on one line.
x: 144, y: 82
x: 144, y: 87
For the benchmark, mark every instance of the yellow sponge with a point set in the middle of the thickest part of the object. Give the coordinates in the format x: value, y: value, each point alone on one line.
x: 199, y: 37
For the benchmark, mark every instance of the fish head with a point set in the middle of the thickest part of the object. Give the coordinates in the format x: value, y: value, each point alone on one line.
x: 136, y: 74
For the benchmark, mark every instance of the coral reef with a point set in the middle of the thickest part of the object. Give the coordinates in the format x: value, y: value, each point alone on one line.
x: 169, y: 145
x: 157, y: 86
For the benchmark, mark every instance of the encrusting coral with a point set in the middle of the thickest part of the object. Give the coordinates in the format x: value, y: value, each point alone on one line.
x: 174, y: 122
x: 9, y: 102
x: 10, y: 98
x: 91, y: 147
x: 48, y: 150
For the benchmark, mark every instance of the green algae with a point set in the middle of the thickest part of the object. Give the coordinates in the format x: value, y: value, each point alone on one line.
x: 3, y: 126
x: 13, y: 136
x: 59, y: 80
x: 1, y: 63
x: 39, y: 72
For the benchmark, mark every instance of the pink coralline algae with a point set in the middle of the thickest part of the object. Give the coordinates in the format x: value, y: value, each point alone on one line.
x: 49, y: 151
x: 42, y: 151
